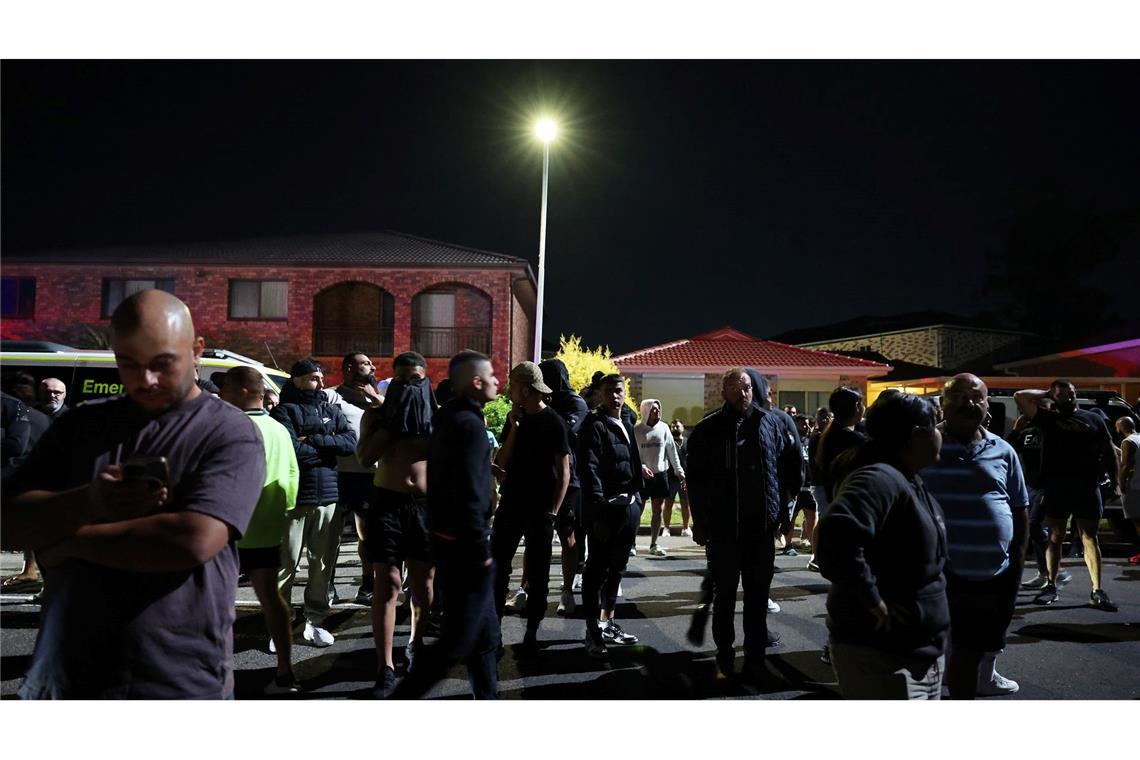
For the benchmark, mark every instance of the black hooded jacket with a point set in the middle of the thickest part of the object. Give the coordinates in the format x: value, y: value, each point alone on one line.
x: 569, y: 405
x: 328, y: 434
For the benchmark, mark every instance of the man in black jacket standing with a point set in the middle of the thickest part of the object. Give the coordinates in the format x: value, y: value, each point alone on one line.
x: 459, y: 515
x: 320, y: 434
x: 737, y: 499
x: 609, y: 468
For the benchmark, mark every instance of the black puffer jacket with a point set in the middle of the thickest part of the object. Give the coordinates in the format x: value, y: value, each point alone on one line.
x: 608, y: 464
x: 740, y: 473
x: 328, y: 434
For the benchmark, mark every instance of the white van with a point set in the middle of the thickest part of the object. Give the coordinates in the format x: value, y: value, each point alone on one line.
x: 93, y: 374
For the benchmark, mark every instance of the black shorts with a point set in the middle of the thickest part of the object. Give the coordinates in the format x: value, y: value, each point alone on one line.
x: 264, y: 558
x: 570, y: 513
x: 355, y: 491
x: 980, y: 610
x: 397, y: 527
x: 806, y: 500
x: 657, y: 487
x: 1081, y: 503
x: 674, y: 485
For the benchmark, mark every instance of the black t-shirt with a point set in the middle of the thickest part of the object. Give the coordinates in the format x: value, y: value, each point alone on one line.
x: 1028, y: 443
x: 1071, y: 457
x: 531, y: 475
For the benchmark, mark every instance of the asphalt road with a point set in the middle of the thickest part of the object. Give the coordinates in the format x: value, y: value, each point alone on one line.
x: 1066, y: 651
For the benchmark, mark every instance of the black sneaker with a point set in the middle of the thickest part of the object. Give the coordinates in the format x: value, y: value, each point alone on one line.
x: 825, y: 655
x: 1047, y: 595
x: 528, y: 649
x: 385, y: 684
x: 773, y: 638
x: 283, y: 684
x: 696, y: 634
x: 1100, y: 600
x: 363, y: 596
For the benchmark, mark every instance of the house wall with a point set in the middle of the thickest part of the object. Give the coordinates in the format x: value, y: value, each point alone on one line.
x: 947, y: 347
x: 68, y: 303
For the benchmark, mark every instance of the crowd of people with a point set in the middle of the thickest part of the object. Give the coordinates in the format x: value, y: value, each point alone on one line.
x: 140, y: 512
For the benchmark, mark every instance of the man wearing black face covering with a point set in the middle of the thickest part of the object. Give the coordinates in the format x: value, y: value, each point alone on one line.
x: 737, y: 499
x: 396, y: 436
x: 1077, y: 449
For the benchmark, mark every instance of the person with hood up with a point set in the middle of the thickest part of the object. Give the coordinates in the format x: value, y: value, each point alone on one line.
x: 320, y: 433
x: 743, y: 467
x: 658, y: 454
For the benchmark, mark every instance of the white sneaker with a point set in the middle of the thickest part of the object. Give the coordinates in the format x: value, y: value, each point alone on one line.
x: 998, y: 686
x: 656, y: 551
x: 780, y: 543
x: 566, y: 604
x: 556, y: 541
x: 664, y: 532
x: 686, y: 533
x: 619, y: 591
x: 577, y: 585
x: 1037, y: 581
x: 773, y: 607
x: 633, y: 551
x: 518, y: 601
x: 317, y: 636
x: 272, y: 647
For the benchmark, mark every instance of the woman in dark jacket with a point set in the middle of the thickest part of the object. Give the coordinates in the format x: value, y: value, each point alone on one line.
x: 882, y: 544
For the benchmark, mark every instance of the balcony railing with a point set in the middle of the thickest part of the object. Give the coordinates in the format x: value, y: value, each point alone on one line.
x: 337, y: 341
x: 446, y: 341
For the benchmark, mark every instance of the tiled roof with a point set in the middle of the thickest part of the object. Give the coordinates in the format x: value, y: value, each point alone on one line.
x: 354, y: 249
x: 872, y: 325
x: 727, y: 348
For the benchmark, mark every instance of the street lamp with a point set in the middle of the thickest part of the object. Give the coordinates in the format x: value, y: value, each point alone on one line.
x: 546, y: 130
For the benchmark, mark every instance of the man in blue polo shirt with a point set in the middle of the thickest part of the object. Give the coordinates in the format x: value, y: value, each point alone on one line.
x: 979, y: 483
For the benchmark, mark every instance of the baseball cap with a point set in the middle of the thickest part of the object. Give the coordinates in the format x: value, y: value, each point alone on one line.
x: 528, y: 373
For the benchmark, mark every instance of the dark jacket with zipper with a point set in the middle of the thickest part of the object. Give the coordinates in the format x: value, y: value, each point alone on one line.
x: 741, y: 471
x: 609, y: 463
x: 883, y: 538
x: 328, y: 435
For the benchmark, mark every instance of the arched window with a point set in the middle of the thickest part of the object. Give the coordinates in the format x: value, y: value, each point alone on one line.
x: 353, y: 316
x: 447, y: 319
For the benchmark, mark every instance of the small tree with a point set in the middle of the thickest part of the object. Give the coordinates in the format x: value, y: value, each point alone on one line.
x: 581, y: 364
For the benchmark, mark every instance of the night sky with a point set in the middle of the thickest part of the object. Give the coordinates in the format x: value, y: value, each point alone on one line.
x: 683, y: 195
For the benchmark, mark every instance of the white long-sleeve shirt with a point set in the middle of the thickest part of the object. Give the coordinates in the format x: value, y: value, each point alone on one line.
x: 657, y: 448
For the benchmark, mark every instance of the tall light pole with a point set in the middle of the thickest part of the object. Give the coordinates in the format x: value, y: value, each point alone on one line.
x: 546, y: 131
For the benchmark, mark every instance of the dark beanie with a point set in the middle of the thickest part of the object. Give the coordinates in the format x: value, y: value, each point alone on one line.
x: 305, y: 367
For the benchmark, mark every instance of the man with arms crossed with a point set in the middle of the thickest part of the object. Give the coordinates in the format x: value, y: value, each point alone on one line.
x: 142, y: 572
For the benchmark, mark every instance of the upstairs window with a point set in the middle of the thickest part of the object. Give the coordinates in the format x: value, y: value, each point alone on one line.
x: 116, y: 290
x: 259, y: 299
x: 18, y: 297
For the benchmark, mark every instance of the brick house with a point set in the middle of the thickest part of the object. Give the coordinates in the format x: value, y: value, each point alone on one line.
x: 685, y: 375
x: 932, y: 338
x: 282, y: 299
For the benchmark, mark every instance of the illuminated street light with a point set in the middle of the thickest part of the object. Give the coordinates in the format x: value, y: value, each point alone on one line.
x: 546, y: 130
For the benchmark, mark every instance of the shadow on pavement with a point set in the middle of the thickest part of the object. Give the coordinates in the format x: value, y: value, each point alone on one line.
x: 1078, y: 633
x: 13, y: 666
x: 21, y: 619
